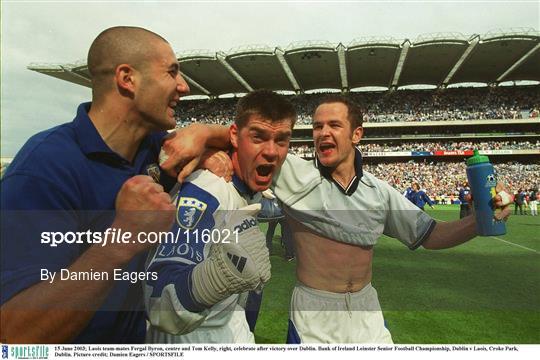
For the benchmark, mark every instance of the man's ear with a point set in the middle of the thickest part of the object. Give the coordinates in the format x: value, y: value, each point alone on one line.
x: 125, y: 77
x: 233, y: 134
x: 357, y: 135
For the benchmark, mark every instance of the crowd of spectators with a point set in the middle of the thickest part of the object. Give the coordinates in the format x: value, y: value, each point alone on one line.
x: 304, y: 151
x: 401, y: 105
x: 444, y: 178
x: 455, y: 104
x: 308, y: 151
x: 449, y: 145
x: 211, y: 111
x: 437, y: 178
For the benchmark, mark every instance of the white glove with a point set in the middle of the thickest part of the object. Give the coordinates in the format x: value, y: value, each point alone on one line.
x: 236, y: 267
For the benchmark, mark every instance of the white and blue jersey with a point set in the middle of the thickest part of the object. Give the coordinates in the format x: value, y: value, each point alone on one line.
x: 357, y: 214
x: 203, y: 207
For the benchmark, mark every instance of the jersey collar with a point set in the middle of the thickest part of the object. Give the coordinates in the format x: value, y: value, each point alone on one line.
x: 242, y: 187
x: 93, y: 145
x: 326, y: 172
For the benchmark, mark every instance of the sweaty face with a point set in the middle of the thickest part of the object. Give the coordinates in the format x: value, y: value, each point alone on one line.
x: 161, y: 87
x: 334, y: 139
x: 260, y: 148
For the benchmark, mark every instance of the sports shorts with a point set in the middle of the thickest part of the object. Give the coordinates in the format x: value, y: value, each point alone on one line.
x: 318, y: 316
x: 236, y: 330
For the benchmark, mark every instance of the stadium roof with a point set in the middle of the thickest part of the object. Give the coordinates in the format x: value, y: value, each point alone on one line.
x: 435, y: 59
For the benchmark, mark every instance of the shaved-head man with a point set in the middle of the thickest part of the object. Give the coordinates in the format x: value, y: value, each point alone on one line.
x: 70, y: 188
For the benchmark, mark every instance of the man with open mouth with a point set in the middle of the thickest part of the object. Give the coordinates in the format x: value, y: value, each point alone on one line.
x: 220, y: 255
x: 337, y: 212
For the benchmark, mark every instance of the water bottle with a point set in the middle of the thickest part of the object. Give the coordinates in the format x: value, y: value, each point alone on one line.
x: 483, y: 181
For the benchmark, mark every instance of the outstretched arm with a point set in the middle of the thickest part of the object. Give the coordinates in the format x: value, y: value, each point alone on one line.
x: 450, y: 234
x: 183, y: 148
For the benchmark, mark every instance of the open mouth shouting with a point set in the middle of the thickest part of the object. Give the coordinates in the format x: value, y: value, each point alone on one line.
x: 264, y: 173
x: 326, y: 148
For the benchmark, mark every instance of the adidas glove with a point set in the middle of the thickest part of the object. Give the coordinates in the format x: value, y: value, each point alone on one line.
x: 236, y: 267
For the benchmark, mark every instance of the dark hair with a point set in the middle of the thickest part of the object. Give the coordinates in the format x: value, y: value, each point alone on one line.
x: 354, y: 113
x: 265, y: 103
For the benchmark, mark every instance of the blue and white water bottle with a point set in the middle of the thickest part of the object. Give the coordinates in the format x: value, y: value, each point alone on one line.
x: 483, y: 180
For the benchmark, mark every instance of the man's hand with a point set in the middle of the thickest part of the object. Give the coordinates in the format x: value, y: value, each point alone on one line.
x: 142, y: 206
x: 182, y: 150
x: 502, y: 202
x: 218, y: 162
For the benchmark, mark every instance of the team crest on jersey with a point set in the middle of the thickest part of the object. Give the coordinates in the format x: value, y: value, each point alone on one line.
x: 153, y: 171
x: 189, y: 212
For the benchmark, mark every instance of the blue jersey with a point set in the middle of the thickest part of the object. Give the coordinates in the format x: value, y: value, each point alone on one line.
x: 408, y: 193
x: 66, y: 179
x: 420, y: 198
x: 463, y: 192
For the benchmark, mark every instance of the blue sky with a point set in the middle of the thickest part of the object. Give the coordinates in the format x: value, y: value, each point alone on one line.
x: 61, y: 32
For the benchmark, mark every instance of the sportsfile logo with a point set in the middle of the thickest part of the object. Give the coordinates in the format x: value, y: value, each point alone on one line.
x: 246, y: 224
x: 27, y: 352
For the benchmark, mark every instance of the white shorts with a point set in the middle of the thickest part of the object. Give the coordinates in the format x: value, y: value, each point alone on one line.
x: 236, y: 330
x: 324, y: 317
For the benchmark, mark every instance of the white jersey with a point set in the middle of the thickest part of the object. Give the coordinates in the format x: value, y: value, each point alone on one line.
x: 357, y: 217
x: 203, y: 204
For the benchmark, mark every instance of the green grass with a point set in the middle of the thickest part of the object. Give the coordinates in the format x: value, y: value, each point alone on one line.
x: 484, y: 291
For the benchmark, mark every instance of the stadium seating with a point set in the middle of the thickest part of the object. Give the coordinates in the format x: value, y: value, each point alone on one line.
x: 439, y: 177
x: 401, y: 105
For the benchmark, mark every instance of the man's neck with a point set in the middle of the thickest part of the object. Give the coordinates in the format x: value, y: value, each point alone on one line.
x: 120, y: 130
x: 345, y: 171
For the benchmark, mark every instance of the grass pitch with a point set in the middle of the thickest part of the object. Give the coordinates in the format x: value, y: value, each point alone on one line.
x: 484, y: 291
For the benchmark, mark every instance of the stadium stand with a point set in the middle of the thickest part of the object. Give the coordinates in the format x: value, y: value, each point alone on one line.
x: 397, y: 106
x: 439, y: 60
x: 307, y: 152
x: 444, y: 178
x: 409, y: 134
